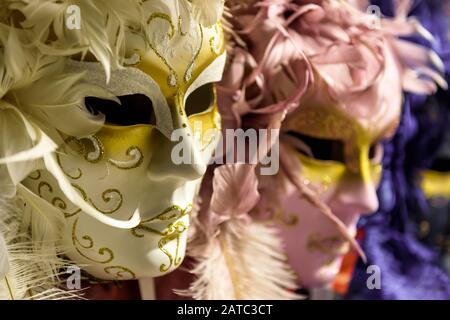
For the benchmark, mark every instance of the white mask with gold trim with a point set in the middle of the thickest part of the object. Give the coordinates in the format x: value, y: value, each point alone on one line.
x: 127, y: 168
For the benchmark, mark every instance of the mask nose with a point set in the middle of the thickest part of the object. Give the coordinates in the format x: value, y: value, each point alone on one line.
x: 356, y: 194
x: 178, y: 156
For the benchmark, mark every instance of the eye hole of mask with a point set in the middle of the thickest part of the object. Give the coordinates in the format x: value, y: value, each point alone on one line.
x: 441, y: 165
x: 200, y: 100
x: 329, y: 150
x: 135, y: 109
x: 320, y: 149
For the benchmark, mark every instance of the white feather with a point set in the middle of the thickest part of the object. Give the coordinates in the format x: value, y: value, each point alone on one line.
x: 34, y: 270
x: 14, y: 122
x: 4, y: 258
x: 58, y: 102
x: 103, y: 28
x: 244, y: 264
x: 237, y: 258
x: 208, y: 12
x: 45, y: 222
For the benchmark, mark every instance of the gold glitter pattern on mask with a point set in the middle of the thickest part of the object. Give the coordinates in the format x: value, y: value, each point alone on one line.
x: 98, y: 154
x: 107, y: 196
x: 172, y: 212
x: 56, y: 201
x: 88, y: 245
x: 180, y: 22
x: 35, y: 175
x: 216, y: 41
x: 188, y: 73
x: 171, y: 233
x: 321, y: 123
x: 172, y: 80
x: 81, y: 147
x: 274, y: 213
x: 120, y: 272
x: 326, y: 245
x: 84, y: 145
x: 76, y: 176
x: 137, y: 158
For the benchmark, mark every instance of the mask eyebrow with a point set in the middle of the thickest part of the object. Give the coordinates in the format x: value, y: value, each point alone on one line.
x: 129, y: 81
x: 212, y: 73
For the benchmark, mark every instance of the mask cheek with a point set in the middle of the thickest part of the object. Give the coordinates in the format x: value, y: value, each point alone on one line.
x: 376, y: 171
x: 322, y: 176
x: 313, y: 245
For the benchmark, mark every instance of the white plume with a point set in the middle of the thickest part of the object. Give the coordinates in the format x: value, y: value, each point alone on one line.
x: 248, y: 265
x: 35, y: 269
x: 4, y: 258
x: 237, y: 258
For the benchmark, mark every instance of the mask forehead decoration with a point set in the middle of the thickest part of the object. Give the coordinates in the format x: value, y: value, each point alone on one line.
x: 89, y: 140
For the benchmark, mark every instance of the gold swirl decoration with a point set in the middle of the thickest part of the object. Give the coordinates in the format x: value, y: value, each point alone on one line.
x: 216, y: 41
x: 94, y: 156
x: 189, y: 70
x: 88, y: 245
x: 323, y: 244
x: 36, y: 175
x: 172, y: 233
x: 273, y: 212
x: 76, y: 176
x: 172, y: 79
x: 279, y: 215
x: 98, y: 153
x: 180, y: 22
x: 120, y: 272
x: 137, y: 158
x: 172, y: 212
x: 56, y: 201
x: 107, y: 196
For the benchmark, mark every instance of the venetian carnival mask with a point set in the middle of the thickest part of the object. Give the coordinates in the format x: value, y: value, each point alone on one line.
x: 128, y: 165
x: 340, y: 153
